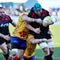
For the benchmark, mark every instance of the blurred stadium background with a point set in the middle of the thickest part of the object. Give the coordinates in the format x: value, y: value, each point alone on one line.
x: 15, y: 8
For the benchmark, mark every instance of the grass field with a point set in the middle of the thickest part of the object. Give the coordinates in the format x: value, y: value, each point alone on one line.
x: 56, y: 38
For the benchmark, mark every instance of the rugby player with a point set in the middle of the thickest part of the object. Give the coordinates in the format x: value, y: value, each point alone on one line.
x: 31, y: 45
x: 20, y: 35
x: 48, y: 47
x: 4, y: 32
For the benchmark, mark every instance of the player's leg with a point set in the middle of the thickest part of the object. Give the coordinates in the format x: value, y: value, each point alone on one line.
x: 51, y: 47
x: 4, y: 48
x: 22, y: 47
x: 8, y: 43
x: 19, y: 44
x: 30, y: 49
x: 45, y: 49
x: 45, y: 46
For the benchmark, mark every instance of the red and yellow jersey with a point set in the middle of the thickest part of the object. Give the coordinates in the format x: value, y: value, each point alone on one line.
x: 21, y: 31
x: 29, y: 52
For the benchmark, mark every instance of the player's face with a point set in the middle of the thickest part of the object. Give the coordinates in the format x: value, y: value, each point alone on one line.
x: 1, y: 11
x: 38, y: 12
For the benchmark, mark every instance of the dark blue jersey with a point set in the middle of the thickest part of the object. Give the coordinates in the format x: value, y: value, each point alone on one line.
x: 4, y: 24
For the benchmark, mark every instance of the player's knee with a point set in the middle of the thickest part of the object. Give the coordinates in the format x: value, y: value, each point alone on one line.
x: 46, y: 51
x: 5, y: 50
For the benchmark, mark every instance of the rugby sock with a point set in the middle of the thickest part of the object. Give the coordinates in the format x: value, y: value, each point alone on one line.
x: 51, y: 53
x: 6, y: 56
x: 47, y: 57
x: 13, y: 58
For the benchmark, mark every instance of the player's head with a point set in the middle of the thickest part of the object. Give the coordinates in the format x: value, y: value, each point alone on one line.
x: 1, y: 9
x: 37, y: 8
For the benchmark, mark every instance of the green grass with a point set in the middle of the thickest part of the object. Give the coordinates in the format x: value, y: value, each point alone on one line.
x: 39, y: 54
x: 56, y: 38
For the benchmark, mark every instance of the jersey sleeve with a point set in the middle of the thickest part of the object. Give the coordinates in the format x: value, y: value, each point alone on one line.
x: 31, y: 13
x: 9, y: 19
x: 47, y: 13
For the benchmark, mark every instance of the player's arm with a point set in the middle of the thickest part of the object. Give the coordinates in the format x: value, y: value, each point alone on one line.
x: 49, y: 32
x: 13, y: 23
x: 53, y: 20
x: 1, y: 35
x: 10, y: 20
x: 36, y: 30
x: 35, y: 41
x: 47, y: 20
x: 6, y: 37
x: 28, y: 19
x: 50, y: 23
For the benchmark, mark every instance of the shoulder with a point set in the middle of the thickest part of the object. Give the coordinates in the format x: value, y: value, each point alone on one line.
x: 45, y: 12
x: 7, y: 16
x: 23, y: 15
x: 31, y: 13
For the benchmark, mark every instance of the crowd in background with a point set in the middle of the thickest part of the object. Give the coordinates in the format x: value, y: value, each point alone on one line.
x: 17, y: 10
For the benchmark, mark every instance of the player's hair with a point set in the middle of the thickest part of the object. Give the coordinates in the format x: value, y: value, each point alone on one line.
x: 37, y: 6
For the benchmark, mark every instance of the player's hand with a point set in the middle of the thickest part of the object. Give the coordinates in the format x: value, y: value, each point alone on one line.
x: 39, y: 21
x: 37, y: 30
x: 47, y: 41
x: 49, y: 23
x: 6, y: 37
x: 49, y: 32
